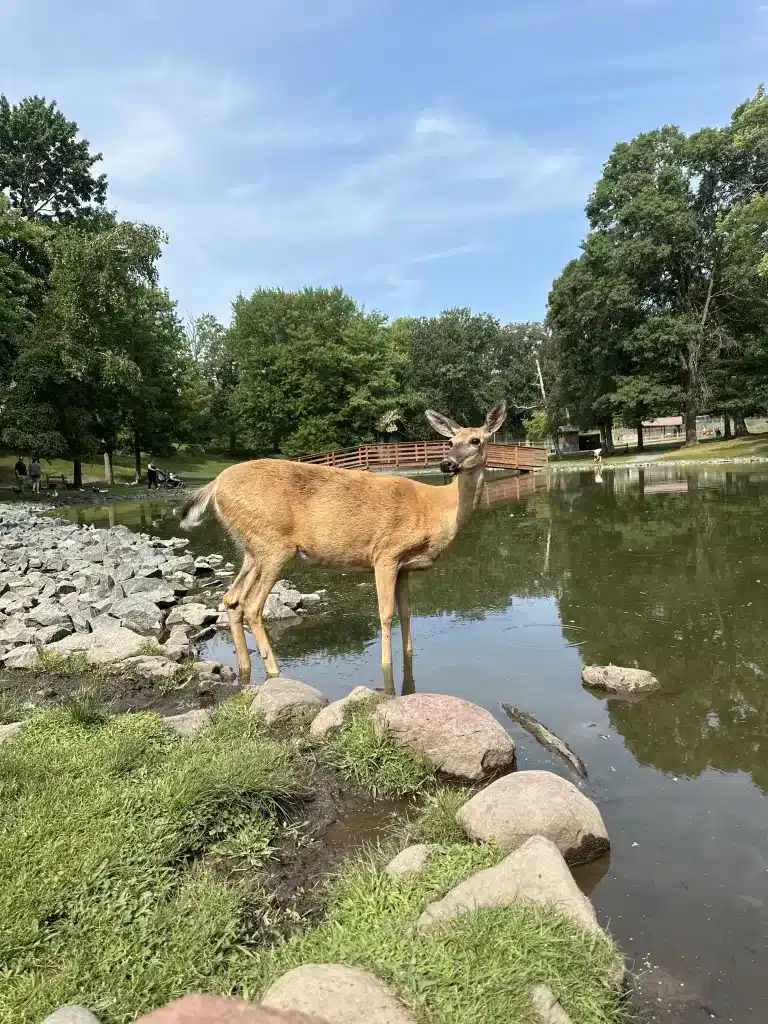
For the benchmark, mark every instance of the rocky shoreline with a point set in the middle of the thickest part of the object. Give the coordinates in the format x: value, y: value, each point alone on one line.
x: 114, y: 598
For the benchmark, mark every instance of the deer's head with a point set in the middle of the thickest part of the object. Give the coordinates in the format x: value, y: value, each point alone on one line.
x: 470, y: 444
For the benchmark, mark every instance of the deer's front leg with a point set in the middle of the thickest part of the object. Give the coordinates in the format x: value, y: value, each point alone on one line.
x: 386, y: 580
x: 404, y: 614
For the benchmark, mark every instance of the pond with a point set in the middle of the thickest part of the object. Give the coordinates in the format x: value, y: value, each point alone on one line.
x: 664, y: 568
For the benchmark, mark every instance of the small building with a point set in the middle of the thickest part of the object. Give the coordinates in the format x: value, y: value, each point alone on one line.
x: 662, y: 427
x: 573, y: 440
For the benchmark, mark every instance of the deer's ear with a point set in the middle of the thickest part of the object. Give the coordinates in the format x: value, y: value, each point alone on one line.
x: 442, y: 424
x: 495, y: 418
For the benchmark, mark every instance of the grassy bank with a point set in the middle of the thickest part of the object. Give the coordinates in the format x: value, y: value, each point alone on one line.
x: 708, y: 450
x: 136, y: 866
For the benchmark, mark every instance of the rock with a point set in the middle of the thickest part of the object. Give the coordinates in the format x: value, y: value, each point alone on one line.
x: 193, y: 1009
x: 104, y: 646
x: 532, y: 803
x: 188, y: 724
x: 213, y: 671
x: 7, y: 732
x: 71, y: 1015
x: 289, y: 597
x: 22, y: 657
x: 614, y: 679
x: 156, y: 591
x: 309, y: 599
x: 140, y: 615
x: 546, y: 1007
x: 150, y: 667
x: 337, y: 994
x: 202, y: 566
x: 50, y: 634
x: 280, y: 700
x: 47, y: 614
x: 275, y: 609
x: 536, y: 872
x: 459, y: 738
x: 410, y: 860
x: 332, y: 717
x: 194, y: 614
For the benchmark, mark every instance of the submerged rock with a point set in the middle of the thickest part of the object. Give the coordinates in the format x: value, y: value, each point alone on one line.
x: 614, y: 679
x: 536, y: 803
x: 459, y: 738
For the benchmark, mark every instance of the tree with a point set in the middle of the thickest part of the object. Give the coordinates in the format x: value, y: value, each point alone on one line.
x: 315, y: 371
x: 46, y: 172
x: 80, y: 376
x: 19, y: 289
x: 209, y: 347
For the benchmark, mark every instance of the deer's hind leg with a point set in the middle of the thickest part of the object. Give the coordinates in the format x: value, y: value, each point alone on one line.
x: 404, y: 614
x: 386, y: 580
x: 233, y: 603
x: 253, y: 602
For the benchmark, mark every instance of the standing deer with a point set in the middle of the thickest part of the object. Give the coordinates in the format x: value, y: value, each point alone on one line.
x: 344, y: 519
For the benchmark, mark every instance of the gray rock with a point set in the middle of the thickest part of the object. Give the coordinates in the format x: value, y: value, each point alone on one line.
x: 140, y: 615
x: 408, y: 861
x: 188, y: 724
x: 536, y: 872
x: 150, y: 667
x: 213, y: 671
x: 203, y: 566
x: 280, y: 700
x: 336, y: 994
x: 7, y: 732
x: 71, y: 1015
x: 546, y: 1007
x: 332, y: 717
x: 275, y: 609
x: 47, y: 614
x: 457, y: 737
x: 151, y: 587
x: 22, y: 657
x: 193, y: 614
x: 50, y: 634
x: 532, y: 803
x: 614, y: 679
x: 106, y: 645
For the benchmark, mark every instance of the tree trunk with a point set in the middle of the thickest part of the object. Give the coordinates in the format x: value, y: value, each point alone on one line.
x: 607, y: 433
x: 739, y: 425
x: 727, y: 426
x: 77, y: 474
x: 137, y: 457
x: 640, y: 444
x: 232, y: 443
x: 690, y: 417
x: 109, y: 469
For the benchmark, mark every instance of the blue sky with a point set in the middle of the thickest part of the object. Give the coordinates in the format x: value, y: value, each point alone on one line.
x: 423, y: 155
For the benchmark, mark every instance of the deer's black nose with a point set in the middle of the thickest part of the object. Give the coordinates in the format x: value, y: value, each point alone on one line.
x: 449, y: 466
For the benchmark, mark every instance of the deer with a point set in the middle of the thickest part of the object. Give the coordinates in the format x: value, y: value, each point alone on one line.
x: 277, y: 510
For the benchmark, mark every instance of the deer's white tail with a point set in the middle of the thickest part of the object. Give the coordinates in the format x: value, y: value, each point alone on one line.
x: 195, y: 508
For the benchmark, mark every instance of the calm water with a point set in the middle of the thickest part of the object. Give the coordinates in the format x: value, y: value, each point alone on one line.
x: 664, y: 569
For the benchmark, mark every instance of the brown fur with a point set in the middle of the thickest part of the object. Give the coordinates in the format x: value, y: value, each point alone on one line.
x: 343, y: 519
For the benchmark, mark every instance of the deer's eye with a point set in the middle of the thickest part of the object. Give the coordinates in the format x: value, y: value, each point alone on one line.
x: 475, y: 441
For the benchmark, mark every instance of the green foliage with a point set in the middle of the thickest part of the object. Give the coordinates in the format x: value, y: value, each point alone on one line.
x: 373, y: 760
x: 537, y: 426
x: 45, y: 171
x: 436, y: 820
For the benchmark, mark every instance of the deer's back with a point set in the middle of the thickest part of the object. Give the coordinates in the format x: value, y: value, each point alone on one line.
x: 337, y: 517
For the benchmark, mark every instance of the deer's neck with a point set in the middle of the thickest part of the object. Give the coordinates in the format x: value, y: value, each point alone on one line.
x: 469, y: 489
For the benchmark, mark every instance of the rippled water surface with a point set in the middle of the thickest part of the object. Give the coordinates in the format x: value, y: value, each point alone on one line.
x: 662, y: 568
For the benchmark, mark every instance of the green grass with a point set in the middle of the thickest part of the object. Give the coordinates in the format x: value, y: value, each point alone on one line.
x: 478, y: 970
x: 375, y: 762
x: 11, y: 709
x: 112, y: 894
x: 736, y: 448
x: 436, y: 820
x: 194, y: 468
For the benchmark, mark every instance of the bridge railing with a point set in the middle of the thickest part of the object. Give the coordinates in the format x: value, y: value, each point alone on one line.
x: 413, y: 454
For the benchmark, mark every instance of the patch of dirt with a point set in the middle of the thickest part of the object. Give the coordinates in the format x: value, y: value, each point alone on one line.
x: 120, y: 692
x: 335, y: 821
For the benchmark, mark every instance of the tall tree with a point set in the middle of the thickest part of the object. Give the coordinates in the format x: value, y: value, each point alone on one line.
x: 46, y: 172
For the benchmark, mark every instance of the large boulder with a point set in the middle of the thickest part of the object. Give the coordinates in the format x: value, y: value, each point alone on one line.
x: 26, y: 656
x: 337, y: 994
x: 281, y: 700
x: 614, y: 679
x: 459, y: 738
x: 332, y: 717
x: 536, y: 803
x: 139, y: 614
x: 192, y: 614
x: 71, y: 1015
x: 188, y: 724
x: 536, y: 872
x: 46, y: 614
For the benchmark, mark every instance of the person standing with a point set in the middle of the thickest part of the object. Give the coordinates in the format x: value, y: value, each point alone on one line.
x: 20, y: 470
x: 35, y: 472
x: 151, y: 477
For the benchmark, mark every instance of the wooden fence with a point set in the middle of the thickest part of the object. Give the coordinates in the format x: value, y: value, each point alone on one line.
x: 415, y: 454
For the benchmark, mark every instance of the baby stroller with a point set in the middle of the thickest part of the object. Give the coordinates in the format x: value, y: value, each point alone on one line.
x: 169, y: 480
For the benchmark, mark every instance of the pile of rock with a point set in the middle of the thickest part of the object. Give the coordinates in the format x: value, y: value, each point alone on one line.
x: 109, y: 593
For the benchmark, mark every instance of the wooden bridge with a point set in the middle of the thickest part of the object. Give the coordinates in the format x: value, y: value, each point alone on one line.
x: 417, y: 454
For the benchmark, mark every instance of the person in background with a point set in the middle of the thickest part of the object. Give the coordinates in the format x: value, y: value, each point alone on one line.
x: 35, y: 472
x: 151, y: 476
x: 20, y: 469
